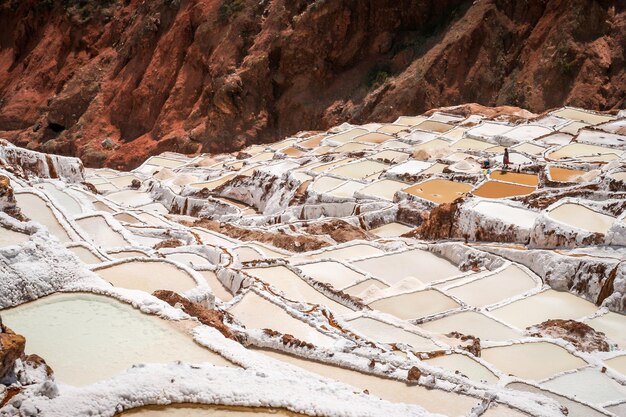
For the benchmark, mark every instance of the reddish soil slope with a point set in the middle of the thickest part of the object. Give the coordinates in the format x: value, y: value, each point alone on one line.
x: 112, y: 81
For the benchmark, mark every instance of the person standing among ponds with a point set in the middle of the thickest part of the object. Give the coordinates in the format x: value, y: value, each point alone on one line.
x: 505, y: 159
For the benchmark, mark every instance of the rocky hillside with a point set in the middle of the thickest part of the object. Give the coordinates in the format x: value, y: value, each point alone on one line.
x: 113, y: 80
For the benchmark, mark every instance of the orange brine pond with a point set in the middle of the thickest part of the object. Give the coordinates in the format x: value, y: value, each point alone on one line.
x: 564, y: 174
x: 497, y: 189
x: 439, y: 191
x: 516, y: 177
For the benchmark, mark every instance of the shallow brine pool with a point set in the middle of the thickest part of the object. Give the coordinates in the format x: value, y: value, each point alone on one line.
x: 148, y: 276
x: 79, y: 332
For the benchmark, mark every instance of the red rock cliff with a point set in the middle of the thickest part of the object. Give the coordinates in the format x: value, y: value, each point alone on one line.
x: 215, y: 75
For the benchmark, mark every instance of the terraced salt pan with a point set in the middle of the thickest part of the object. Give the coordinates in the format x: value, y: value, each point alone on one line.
x: 488, y: 130
x: 498, y: 189
x: 619, y: 176
x: 471, y: 323
x: 581, y: 217
x: 126, y: 218
x: 101, y: 206
x: 613, y: 325
x: 360, y: 169
x: 347, y: 189
x: 411, y: 167
x: 390, y: 230
x: 540, y: 307
x: 583, y: 116
x: 565, y: 174
x: 494, y: 288
x: 385, y: 189
x: 391, y: 129
x: 390, y: 156
x: 556, y: 139
x: 418, y: 263
x: 618, y: 363
x: 347, y: 136
x: 10, y: 237
x: 573, y: 128
x: 526, y: 133
x: 101, y: 233
x: 213, y: 238
x: 439, y: 191
x: 409, y: 120
x: 353, y: 147
x: 67, y: 202
x: 579, y: 150
x: 148, y: 276
x: 432, y: 146
x: 574, y: 408
x: 190, y: 259
x: 533, y: 361
x: 132, y: 198
x: 379, y: 331
x: 216, y: 286
x: 466, y: 366
x: 312, y: 142
x: 467, y: 144
x: 246, y: 253
x: 123, y: 181
x: 515, y: 177
x: 359, y: 250
x: 499, y: 410
x: 331, y: 272
x: 415, y: 305
x: 85, y: 255
x: 89, y: 322
x: 164, y: 162
x: 433, y: 400
x: 213, y: 184
x: 36, y: 209
x: 294, y: 287
x: 513, y: 215
x: 195, y: 410
x: 255, y: 312
x: 589, y: 385
x: 530, y: 148
x: 433, y: 126
x: 357, y: 289
x: 123, y: 254
x: 324, y: 184
x: 374, y: 137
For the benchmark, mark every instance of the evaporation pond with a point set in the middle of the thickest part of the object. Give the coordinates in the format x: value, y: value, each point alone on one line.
x: 148, y: 276
x: 78, y: 332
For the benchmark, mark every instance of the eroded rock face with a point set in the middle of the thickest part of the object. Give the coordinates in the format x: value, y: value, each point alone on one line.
x: 116, y: 80
x: 8, y: 204
x: 11, y: 349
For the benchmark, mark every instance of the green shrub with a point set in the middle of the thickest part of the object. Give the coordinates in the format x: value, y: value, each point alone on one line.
x: 377, y: 75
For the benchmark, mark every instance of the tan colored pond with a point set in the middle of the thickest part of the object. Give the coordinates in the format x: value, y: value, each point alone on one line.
x: 10, y: 237
x: 418, y: 263
x: 497, y: 189
x: 534, y: 361
x: 324, y: 184
x: 357, y: 289
x: 618, y: 363
x: 353, y: 147
x: 530, y: 148
x: 578, y: 150
x: 360, y: 169
x: 312, y: 142
x: 515, y: 177
x: 123, y: 254
x: 68, y: 203
x: 581, y: 217
x: 392, y: 128
x: 347, y: 189
x: 583, y: 116
x: 565, y: 174
x: 391, y: 230
x: 433, y: 126
x: 101, y: 233
x: 409, y: 120
x: 213, y: 184
x: 85, y: 255
x: 390, y: 156
x: 331, y: 272
x: 147, y: 276
x: 465, y: 365
x: 385, y: 189
x: 374, y: 137
x: 359, y: 250
x: 200, y: 410
x: 255, y: 312
x: 294, y: 287
x: 36, y: 209
x: 471, y: 323
x: 439, y: 191
x: 216, y: 286
x: 574, y: 408
x: 546, y: 305
x: 347, y: 136
x: 100, y: 334
x: 613, y: 325
x: 164, y: 162
x: 467, y: 144
x: 494, y: 288
x: 415, y: 305
x: 379, y: 331
x: 589, y: 385
x: 433, y: 400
